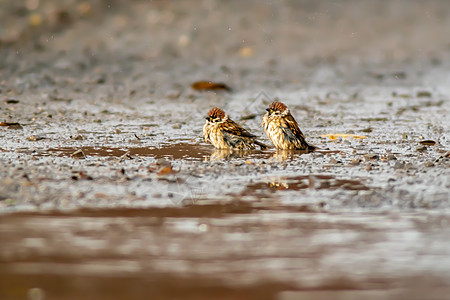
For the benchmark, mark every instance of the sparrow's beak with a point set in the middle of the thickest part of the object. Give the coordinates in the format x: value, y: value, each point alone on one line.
x: 268, y: 109
x: 208, y: 118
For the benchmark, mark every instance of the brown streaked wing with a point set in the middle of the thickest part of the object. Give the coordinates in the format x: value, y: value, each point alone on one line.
x: 232, y: 127
x: 293, y: 126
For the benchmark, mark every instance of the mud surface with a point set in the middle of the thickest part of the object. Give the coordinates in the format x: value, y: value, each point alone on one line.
x: 107, y: 188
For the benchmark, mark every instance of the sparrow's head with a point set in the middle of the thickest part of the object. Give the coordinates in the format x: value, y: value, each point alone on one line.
x: 216, y: 115
x: 277, y: 109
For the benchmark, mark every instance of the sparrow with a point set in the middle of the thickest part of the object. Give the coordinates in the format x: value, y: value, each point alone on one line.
x: 282, y: 129
x: 224, y: 133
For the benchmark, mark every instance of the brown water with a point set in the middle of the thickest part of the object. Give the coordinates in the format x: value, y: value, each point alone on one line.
x: 234, y: 250
x: 172, y: 151
x: 176, y: 151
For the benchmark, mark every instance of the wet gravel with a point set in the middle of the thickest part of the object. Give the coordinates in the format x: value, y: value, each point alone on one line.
x: 399, y: 171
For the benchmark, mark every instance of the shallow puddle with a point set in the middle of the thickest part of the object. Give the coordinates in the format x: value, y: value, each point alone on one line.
x: 173, y: 151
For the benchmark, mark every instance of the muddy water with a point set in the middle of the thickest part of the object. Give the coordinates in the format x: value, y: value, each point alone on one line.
x: 170, y: 151
x: 234, y: 250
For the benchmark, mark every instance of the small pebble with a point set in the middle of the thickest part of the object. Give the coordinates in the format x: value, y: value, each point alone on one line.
x: 388, y: 156
x: 421, y: 148
x: 78, y: 137
x: 34, y: 138
x: 332, y: 161
x: 423, y: 94
x: 371, y: 156
x: 429, y: 164
x: 78, y: 154
x: 203, y: 227
x: 173, y: 94
x: 399, y: 165
x: 428, y: 142
x: 355, y: 161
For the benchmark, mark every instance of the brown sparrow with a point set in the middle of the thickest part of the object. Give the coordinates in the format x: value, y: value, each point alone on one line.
x: 282, y: 129
x: 224, y: 133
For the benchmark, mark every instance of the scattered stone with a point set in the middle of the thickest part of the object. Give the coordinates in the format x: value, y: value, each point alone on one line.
x: 399, y: 165
x: 368, y: 167
x: 355, y: 161
x: 421, y: 148
x: 429, y: 164
x: 100, y: 80
x: 371, y: 156
x: 381, y: 119
x: 78, y: 137
x: 162, y: 162
x: 176, y: 126
x: 443, y: 157
x: 11, y: 101
x: 126, y: 155
x: 78, y: 154
x: 11, y: 125
x: 388, y: 157
x: 428, y: 142
x: 173, y: 94
x: 81, y: 175
x: 35, y: 138
x: 404, y: 95
x: 410, y: 166
x: 423, y: 94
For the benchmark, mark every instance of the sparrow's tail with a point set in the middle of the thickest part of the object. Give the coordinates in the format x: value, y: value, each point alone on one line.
x: 261, y: 145
x: 312, y: 148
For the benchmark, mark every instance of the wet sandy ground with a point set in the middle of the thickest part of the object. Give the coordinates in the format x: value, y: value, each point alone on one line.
x: 108, y: 191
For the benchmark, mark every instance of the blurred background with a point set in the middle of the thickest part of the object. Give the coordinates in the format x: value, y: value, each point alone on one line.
x: 153, y: 46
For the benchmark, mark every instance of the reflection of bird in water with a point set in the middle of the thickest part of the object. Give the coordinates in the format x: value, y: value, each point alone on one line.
x: 282, y: 155
x: 228, y: 154
x: 278, y: 185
